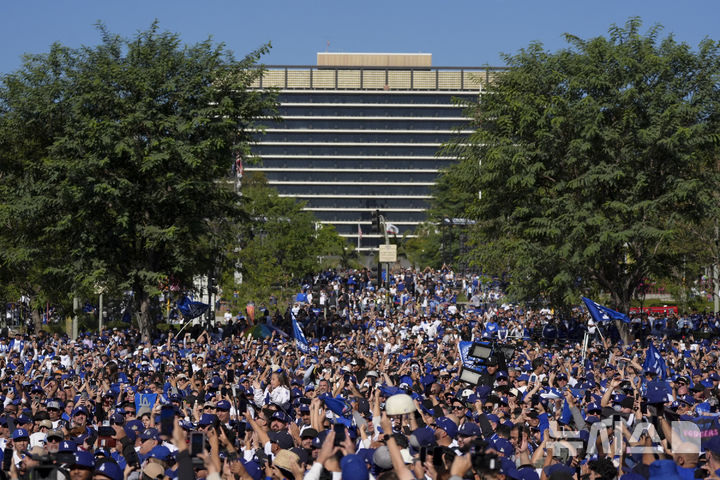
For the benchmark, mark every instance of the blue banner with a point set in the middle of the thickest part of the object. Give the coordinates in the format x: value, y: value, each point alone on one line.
x: 654, y: 362
x: 144, y: 400
x: 191, y: 309
x: 300, y: 339
x: 603, y: 314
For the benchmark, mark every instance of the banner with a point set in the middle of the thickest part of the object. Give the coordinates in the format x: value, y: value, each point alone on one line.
x: 144, y: 400
x: 300, y: 339
x: 191, y: 309
x: 603, y: 314
x: 654, y: 362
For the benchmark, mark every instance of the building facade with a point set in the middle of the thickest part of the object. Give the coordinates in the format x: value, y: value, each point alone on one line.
x: 364, y: 132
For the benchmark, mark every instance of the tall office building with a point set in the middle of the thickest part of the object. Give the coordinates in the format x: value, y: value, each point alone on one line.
x: 364, y: 132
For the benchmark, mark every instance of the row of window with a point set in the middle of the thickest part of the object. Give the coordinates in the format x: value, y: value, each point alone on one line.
x: 401, y: 123
x: 368, y: 111
x: 352, y: 229
x: 358, y: 136
x: 375, y: 97
x: 365, y: 203
x: 350, y: 177
x: 352, y: 189
x: 364, y: 216
x: 309, y: 163
x: 356, y: 149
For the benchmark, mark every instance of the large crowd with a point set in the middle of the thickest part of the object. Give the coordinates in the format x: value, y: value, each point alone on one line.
x: 378, y: 389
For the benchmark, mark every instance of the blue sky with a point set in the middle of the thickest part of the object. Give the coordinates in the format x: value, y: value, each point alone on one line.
x: 457, y: 33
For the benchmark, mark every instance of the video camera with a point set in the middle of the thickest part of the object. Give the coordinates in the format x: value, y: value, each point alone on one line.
x: 47, y: 470
x: 480, y: 352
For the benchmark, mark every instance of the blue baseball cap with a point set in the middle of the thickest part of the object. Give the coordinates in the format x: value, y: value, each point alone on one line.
x: 109, y: 469
x: 149, y: 434
x: 20, y: 433
x: 447, y: 425
x: 207, y: 419
x: 67, y: 446
x: 161, y: 452
x: 469, y: 429
x: 223, y: 405
x: 83, y: 459
x: 354, y: 468
x: 503, y: 446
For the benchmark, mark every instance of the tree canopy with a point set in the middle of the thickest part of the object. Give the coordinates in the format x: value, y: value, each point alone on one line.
x: 280, y: 244
x: 586, y: 163
x: 113, y: 159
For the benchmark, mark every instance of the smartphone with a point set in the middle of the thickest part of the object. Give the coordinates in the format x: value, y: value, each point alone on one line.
x: 437, y: 457
x: 231, y: 376
x: 305, y: 401
x: 167, y: 420
x: 339, y: 434
x: 643, y: 407
x: 7, y: 459
x: 242, y: 405
x: 197, y: 443
x: 423, y: 454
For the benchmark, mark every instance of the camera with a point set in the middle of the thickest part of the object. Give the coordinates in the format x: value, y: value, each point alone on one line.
x: 483, y: 462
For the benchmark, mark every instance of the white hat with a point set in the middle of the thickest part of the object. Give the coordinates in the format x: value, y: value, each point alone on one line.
x: 399, y: 404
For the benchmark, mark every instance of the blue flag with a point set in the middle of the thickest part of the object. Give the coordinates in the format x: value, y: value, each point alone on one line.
x: 566, y: 416
x: 654, y: 362
x: 337, y: 405
x: 603, y: 314
x: 145, y: 400
x: 190, y: 309
x: 300, y: 339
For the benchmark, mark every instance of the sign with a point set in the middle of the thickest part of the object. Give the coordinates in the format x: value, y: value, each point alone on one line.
x: 388, y: 253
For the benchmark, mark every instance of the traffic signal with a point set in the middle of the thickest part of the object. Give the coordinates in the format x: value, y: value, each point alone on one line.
x: 375, y: 223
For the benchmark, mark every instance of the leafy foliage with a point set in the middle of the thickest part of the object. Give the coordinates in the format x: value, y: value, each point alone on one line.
x: 112, y: 159
x: 280, y: 243
x: 589, y: 159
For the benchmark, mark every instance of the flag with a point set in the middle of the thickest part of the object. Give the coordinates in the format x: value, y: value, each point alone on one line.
x: 300, y: 339
x: 391, y: 229
x: 566, y: 415
x: 359, y: 231
x: 145, y: 400
x: 603, y: 314
x: 337, y: 405
x: 654, y: 362
x: 191, y: 309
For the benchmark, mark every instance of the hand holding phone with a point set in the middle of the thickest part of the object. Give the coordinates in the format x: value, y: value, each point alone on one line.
x: 339, y: 434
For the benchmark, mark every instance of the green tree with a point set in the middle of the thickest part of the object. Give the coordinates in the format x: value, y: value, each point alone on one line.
x: 114, y: 157
x: 585, y: 162
x: 279, y: 244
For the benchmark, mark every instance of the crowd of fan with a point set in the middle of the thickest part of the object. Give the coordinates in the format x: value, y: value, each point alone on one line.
x: 378, y: 391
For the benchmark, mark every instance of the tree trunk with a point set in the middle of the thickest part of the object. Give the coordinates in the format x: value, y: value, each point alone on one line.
x: 37, y: 320
x: 144, y: 322
x: 621, y: 302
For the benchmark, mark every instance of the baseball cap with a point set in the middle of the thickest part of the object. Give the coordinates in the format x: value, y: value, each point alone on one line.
x: 354, y: 468
x: 149, y: 434
x: 109, y: 469
x: 84, y: 460
x: 20, y: 433
x: 447, y: 425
